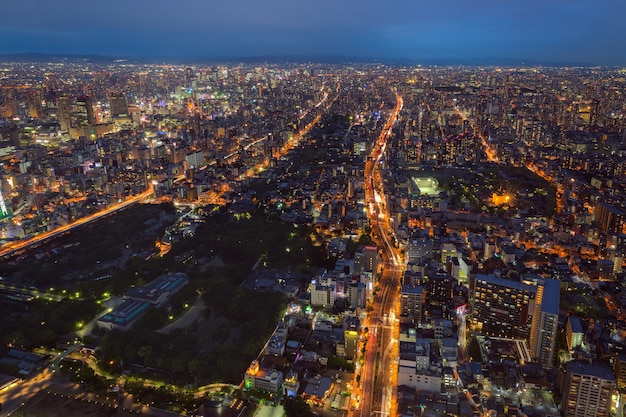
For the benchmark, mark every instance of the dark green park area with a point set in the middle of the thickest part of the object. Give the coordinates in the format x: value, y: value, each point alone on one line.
x: 245, y: 318
x: 472, y: 187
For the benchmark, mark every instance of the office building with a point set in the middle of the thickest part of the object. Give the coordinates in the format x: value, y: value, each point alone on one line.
x: 85, y: 114
x: 420, y: 249
x: 619, y: 369
x: 118, y: 105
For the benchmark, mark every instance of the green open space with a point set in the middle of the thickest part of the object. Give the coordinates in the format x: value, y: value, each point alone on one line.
x: 243, y: 318
x: 472, y: 188
x: 584, y: 306
x: 220, y: 344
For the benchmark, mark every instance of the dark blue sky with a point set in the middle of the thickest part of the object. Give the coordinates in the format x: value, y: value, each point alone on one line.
x: 549, y: 30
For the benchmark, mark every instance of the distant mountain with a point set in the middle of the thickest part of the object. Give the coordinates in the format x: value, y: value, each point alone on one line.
x: 503, y: 61
x: 296, y: 59
x: 40, y: 57
x: 345, y: 59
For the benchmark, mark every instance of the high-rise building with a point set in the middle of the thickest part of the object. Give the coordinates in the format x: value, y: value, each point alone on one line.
x: 34, y: 104
x: 610, y: 218
x: 545, y: 321
x: 118, y: 105
x: 502, y: 307
x: 587, y: 390
x: 619, y: 368
x: 411, y: 303
x: 63, y: 105
x: 85, y: 114
x: 366, y: 259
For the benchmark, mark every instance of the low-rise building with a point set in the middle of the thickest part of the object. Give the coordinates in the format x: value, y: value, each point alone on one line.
x: 264, y: 379
x: 158, y: 291
x: 123, y: 316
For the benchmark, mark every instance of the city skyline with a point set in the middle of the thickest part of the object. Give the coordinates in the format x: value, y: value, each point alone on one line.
x: 568, y: 32
x: 340, y: 240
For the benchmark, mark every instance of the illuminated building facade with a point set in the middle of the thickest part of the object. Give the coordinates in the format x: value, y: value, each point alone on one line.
x: 262, y: 379
x: 4, y: 211
x: 119, y: 105
x: 573, y: 333
x: 502, y: 307
x: 366, y: 259
x: 411, y: 303
x: 610, y: 219
x: 63, y: 105
x: 85, y: 114
x: 587, y: 390
x: 545, y: 321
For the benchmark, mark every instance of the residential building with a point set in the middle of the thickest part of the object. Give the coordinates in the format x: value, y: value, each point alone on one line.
x: 545, y: 322
x: 502, y: 307
x: 587, y: 390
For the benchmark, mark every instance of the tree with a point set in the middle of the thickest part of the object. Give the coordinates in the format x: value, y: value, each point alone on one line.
x: 145, y: 352
x: 196, y: 368
x: 474, y: 349
x: 297, y: 407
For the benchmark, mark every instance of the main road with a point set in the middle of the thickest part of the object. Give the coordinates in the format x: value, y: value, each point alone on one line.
x: 12, y: 248
x: 378, y: 373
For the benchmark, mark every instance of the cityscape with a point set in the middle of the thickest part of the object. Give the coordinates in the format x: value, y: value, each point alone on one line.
x: 297, y: 238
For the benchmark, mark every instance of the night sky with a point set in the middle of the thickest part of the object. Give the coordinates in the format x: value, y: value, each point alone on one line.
x: 581, y: 31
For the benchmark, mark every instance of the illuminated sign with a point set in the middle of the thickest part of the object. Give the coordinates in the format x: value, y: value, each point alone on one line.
x: 4, y: 211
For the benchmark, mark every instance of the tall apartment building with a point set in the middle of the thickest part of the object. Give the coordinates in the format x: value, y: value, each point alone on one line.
x: 412, y: 301
x: 545, y: 322
x: 502, y: 307
x: 519, y: 310
x: 587, y: 390
x: 610, y: 219
x: 323, y: 295
x: 366, y: 259
x: 63, y: 105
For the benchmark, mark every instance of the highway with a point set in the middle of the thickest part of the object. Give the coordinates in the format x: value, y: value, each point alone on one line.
x: 12, y: 248
x: 378, y: 375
